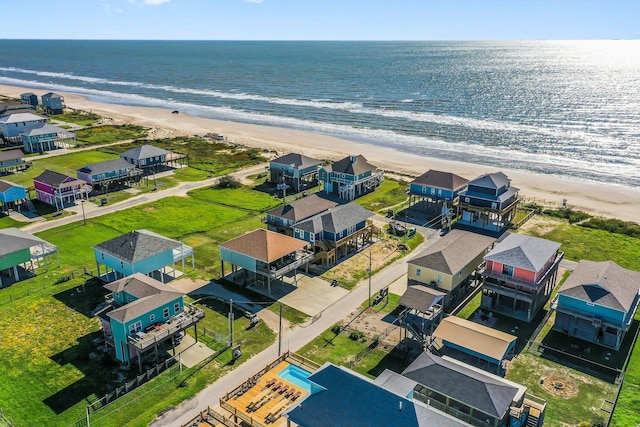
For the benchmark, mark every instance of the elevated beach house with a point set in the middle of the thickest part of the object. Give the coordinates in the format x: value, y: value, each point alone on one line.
x: 45, y: 137
x: 29, y: 98
x: 337, y: 232
x: 436, y: 191
x: 141, y: 251
x: 350, y: 177
x: 12, y: 196
x: 474, y: 343
x: 52, y: 103
x: 282, y: 218
x: 110, y: 171
x: 261, y: 256
x: 469, y: 394
x: 519, y: 275
x: 489, y: 203
x: 60, y: 190
x: 13, y: 125
x: 144, y: 314
x: 12, y: 161
x: 597, y: 303
x: 152, y: 159
x: 296, y: 171
x: 18, y: 252
x: 450, y: 263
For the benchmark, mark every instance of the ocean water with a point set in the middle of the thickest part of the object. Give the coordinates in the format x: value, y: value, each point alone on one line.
x: 568, y: 108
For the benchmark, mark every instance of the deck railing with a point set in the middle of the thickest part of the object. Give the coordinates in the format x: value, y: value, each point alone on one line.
x: 189, y: 317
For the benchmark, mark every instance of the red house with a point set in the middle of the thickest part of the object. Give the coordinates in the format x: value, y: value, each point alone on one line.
x: 520, y: 273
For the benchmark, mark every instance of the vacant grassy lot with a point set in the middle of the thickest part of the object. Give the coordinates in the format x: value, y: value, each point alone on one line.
x: 390, y: 195
x: 78, y: 117
x: 107, y: 134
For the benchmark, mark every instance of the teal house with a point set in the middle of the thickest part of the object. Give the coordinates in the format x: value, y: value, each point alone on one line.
x: 337, y: 232
x: 45, y: 137
x: 21, y: 253
x: 597, y: 303
x: 11, y: 196
x: 297, y: 171
x: 117, y: 170
x: 143, y: 315
x: 350, y: 177
x: 52, y: 103
x: 141, y: 251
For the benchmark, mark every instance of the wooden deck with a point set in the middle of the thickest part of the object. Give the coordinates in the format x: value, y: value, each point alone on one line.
x: 267, y: 399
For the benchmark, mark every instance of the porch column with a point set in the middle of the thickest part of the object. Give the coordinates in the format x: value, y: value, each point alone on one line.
x: 15, y: 272
x: 98, y: 268
x: 139, y: 361
x: 222, y: 267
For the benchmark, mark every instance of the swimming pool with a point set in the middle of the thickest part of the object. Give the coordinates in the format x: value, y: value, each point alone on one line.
x: 296, y: 376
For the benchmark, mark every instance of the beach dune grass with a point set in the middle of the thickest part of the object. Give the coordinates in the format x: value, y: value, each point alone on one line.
x: 106, y: 134
x: 391, y: 194
x: 78, y: 117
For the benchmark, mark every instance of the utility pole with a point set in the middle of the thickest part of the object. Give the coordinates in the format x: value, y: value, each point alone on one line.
x: 280, y: 333
x: 369, y: 278
x: 230, y: 322
x: 84, y: 219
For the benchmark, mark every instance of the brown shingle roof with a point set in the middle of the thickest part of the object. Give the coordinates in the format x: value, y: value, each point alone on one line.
x: 264, y: 245
x: 352, y: 165
x: 453, y: 252
x: 420, y: 297
x: 303, y: 208
x: 440, y: 179
x: 475, y: 337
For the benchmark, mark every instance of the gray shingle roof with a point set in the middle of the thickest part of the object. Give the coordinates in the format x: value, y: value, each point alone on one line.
x: 144, y: 152
x: 491, y: 180
x: 11, y: 155
x: 440, y: 179
x: 419, y: 297
x: 44, y: 129
x: 351, y: 167
x: 13, y: 240
x: 453, y: 252
x: 52, y: 178
x: 106, y: 166
x: 151, y: 294
x: 21, y: 117
x: 527, y: 252
x: 336, y: 219
x: 303, y: 208
x: 603, y: 283
x: 137, y: 246
x: 488, y: 393
x: 7, y: 185
x: 299, y: 161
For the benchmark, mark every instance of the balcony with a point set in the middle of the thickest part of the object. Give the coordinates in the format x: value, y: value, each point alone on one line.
x: 189, y: 317
x: 286, y: 264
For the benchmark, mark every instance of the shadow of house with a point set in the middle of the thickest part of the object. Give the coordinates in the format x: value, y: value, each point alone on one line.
x: 84, y: 298
x: 99, y: 375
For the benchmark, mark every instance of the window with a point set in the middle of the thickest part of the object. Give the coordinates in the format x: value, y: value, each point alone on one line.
x: 135, y: 327
x: 494, y: 205
x: 466, y: 200
x: 433, y: 191
x: 165, y: 312
x: 424, y: 190
x: 507, y: 269
x: 121, y: 264
x: 440, y: 193
x: 152, y: 318
x: 417, y: 272
x: 128, y: 298
x: 439, y: 278
x: 312, y: 237
x: 102, y: 255
x: 176, y: 307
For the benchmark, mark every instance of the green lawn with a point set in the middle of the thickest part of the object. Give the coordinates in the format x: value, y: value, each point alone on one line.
x: 240, y: 198
x: 528, y: 370
x: 78, y: 117
x: 107, y: 134
x: 390, y: 195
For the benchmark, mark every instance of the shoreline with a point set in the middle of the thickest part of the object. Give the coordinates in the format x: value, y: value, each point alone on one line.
x: 599, y: 199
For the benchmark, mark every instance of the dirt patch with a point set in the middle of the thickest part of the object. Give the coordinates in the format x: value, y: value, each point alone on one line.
x: 560, y: 386
x: 149, y: 208
x: 539, y: 225
x: 372, y: 323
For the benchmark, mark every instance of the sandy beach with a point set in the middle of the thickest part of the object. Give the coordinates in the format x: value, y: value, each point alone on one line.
x: 596, y: 198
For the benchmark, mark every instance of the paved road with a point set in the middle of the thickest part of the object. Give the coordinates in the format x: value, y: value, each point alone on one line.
x: 292, y: 340
x: 92, y: 210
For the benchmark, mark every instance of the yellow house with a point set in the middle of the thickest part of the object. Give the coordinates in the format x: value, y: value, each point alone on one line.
x: 448, y: 263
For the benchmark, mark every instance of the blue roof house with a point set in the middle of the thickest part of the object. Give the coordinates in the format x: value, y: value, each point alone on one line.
x: 350, y: 177
x: 597, y: 303
x: 141, y: 251
x: 337, y: 232
x: 12, y: 195
x: 488, y: 203
x: 143, y: 313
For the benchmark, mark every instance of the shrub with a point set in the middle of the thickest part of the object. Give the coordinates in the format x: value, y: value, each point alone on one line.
x: 568, y: 214
x: 228, y: 181
x: 613, y: 226
x: 336, y: 329
x: 355, y: 335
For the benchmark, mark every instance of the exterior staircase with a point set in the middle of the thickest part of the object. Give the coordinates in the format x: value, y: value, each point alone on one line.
x: 533, y: 419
